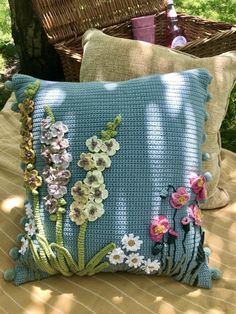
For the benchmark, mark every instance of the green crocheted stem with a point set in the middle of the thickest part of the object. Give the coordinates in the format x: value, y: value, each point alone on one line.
x: 37, y: 215
x: 95, y: 260
x: 32, y: 89
x: 81, y: 243
x: 49, y: 112
x: 66, y: 254
x: 99, y: 268
x: 110, y: 130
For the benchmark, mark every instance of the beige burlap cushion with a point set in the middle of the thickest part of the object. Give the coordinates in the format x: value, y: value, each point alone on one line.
x: 109, y: 58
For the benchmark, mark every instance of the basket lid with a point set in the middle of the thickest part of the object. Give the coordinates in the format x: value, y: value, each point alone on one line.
x: 65, y: 19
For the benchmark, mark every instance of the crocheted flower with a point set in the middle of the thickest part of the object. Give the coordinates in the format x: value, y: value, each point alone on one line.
x: 46, y: 137
x: 57, y: 191
x: 56, y: 175
x: 151, y: 266
x: 24, y: 246
x: 94, y: 144
x: 77, y: 213
x: 26, y: 140
x: 101, y: 161
x: 51, y: 204
x: 195, y: 213
x: 62, y: 160
x: 30, y: 227
x: 94, y: 211
x: 110, y: 147
x: 131, y: 243
x: 32, y: 180
x: 98, y: 194
x: 27, y: 107
x: 27, y: 122
x: 86, y: 161
x: 45, y: 124
x: 198, y: 185
x: 58, y: 145
x: 58, y: 129
x: 134, y: 260
x: 46, y: 154
x: 80, y: 192
x: 159, y: 226
x: 94, y: 179
x: 179, y: 198
x: 185, y: 221
x: 117, y: 256
x: 28, y: 210
x: 172, y: 236
x: 27, y: 155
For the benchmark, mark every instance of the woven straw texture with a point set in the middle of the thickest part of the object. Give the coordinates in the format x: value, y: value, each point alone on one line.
x: 119, y: 292
x: 107, y: 58
x: 65, y: 21
x: 154, y: 153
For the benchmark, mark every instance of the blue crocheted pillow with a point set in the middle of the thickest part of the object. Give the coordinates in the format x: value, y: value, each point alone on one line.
x: 113, y: 177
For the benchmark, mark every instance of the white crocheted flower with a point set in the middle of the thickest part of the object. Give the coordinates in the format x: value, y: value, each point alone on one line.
x: 46, y: 123
x: 30, y: 227
x: 94, y: 211
x: 101, y: 161
x: 46, y: 137
x: 94, y: 179
x: 134, y: 260
x: 151, y: 266
x: 80, y: 192
x: 117, y: 256
x: 99, y: 194
x: 56, y: 190
x: 24, y: 246
x: 62, y: 160
x: 77, y: 213
x: 59, y: 144
x: 110, y: 147
x: 28, y: 210
x: 131, y: 243
x: 58, y: 129
x: 94, y: 144
x: 86, y: 161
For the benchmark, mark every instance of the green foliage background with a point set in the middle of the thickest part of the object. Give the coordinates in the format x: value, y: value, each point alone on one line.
x: 218, y: 10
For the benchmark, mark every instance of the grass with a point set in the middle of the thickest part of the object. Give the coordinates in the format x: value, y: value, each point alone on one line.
x: 218, y: 10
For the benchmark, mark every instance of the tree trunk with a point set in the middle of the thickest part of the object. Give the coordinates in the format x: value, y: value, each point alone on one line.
x: 37, y: 57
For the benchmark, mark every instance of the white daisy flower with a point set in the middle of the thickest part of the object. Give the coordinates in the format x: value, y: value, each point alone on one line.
x: 30, y: 227
x: 99, y: 194
x: 77, y: 213
x: 28, y: 210
x: 102, y: 161
x: 24, y: 245
x: 117, y: 256
x: 94, y: 178
x: 94, y: 211
x: 151, y: 266
x: 131, y: 243
x: 134, y: 260
x: 94, y: 144
x: 110, y: 147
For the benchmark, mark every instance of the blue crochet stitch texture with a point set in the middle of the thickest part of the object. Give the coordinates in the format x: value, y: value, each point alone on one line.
x: 160, y: 138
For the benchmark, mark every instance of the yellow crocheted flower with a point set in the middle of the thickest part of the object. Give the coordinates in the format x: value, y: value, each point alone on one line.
x: 32, y: 180
x: 27, y: 107
x: 27, y: 155
x: 26, y: 140
x: 86, y: 161
x: 27, y: 122
x: 80, y: 192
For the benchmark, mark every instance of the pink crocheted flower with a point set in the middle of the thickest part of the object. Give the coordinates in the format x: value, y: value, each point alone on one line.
x: 159, y: 226
x: 179, y: 198
x: 198, y: 185
x: 195, y: 213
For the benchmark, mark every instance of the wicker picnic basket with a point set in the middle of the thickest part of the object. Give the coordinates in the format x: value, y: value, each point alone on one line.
x: 65, y: 21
